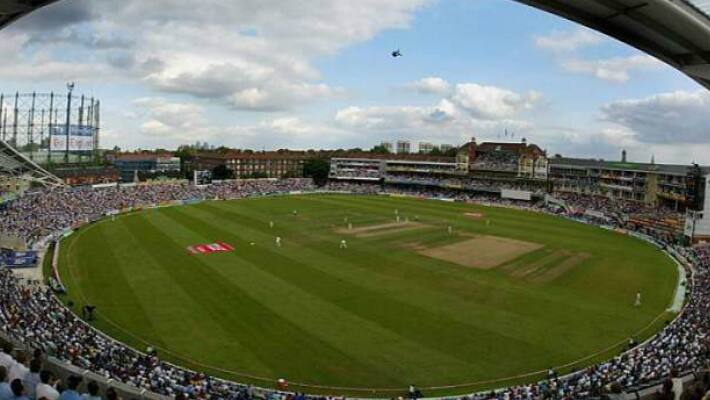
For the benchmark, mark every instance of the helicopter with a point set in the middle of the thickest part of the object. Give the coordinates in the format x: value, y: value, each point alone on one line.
x: 396, y: 53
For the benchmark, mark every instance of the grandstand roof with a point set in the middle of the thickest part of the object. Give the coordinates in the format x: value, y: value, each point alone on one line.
x: 676, y: 169
x: 521, y: 147
x: 511, y: 147
x: 674, y: 31
x: 11, y: 10
x: 15, y: 165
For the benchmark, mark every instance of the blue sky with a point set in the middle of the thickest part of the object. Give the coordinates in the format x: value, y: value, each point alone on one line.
x: 272, y: 74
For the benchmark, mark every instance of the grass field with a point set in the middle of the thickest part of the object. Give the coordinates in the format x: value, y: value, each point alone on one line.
x: 407, y: 303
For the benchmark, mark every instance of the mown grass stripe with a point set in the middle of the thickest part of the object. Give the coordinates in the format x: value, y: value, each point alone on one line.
x: 251, y: 323
x: 391, y: 312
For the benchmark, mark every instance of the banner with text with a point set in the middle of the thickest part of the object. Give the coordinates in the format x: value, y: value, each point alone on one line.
x: 81, y: 138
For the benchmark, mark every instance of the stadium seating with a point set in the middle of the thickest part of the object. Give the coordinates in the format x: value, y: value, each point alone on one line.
x: 31, y: 314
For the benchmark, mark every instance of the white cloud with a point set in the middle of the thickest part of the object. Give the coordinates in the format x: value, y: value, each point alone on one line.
x: 673, y: 127
x: 40, y: 66
x: 430, y: 85
x: 164, y: 123
x: 250, y: 55
x: 616, y: 69
x: 180, y: 121
x: 567, y: 48
x: 569, y: 41
x: 469, y: 110
x: 490, y: 102
x: 666, y: 118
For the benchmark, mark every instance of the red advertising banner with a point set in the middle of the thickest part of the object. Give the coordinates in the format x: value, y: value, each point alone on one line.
x: 217, y: 247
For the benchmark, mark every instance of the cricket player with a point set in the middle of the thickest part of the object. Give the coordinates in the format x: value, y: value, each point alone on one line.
x: 343, y: 244
x: 637, y: 303
x: 350, y: 225
x: 271, y: 224
x: 450, y: 229
x: 278, y: 241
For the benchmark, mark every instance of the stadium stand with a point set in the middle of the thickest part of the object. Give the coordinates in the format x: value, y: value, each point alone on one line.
x: 30, y: 316
x: 33, y: 317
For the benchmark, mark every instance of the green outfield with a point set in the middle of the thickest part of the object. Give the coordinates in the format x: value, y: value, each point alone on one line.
x: 503, y: 294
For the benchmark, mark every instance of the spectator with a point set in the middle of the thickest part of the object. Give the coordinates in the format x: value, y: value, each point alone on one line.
x: 32, y: 379
x: 46, y: 389
x: 6, y: 359
x: 71, y: 392
x: 5, y: 390
x: 18, y: 390
x: 677, y: 384
x: 93, y: 392
x: 19, y: 370
x: 666, y: 392
x: 111, y: 394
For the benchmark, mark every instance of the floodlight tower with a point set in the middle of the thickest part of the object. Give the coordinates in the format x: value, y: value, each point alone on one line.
x: 70, y: 88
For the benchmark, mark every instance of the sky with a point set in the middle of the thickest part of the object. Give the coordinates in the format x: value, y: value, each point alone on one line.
x: 270, y: 74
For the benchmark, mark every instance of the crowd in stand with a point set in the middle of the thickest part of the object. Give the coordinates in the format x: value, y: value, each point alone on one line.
x: 481, y: 185
x: 358, y: 173
x: 24, y: 378
x: 39, y: 214
x: 32, y: 315
x: 496, y: 161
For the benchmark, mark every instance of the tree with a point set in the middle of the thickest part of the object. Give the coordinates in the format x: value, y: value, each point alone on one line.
x: 380, y: 149
x: 255, y: 175
x: 317, y: 169
x: 436, y: 151
x: 451, y: 152
x: 185, y: 153
x: 221, y: 172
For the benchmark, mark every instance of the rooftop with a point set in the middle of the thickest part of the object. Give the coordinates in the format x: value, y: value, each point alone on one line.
x: 628, y: 166
x: 142, y: 156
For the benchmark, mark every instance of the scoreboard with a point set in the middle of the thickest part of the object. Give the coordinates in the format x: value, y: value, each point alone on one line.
x: 695, y: 188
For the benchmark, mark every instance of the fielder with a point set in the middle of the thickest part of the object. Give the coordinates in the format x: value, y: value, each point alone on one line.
x: 637, y: 303
x: 278, y: 241
x: 271, y: 224
x: 343, y: 244
x: 450, y: 229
